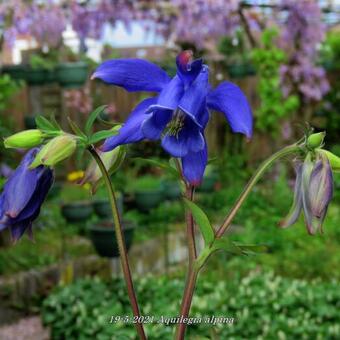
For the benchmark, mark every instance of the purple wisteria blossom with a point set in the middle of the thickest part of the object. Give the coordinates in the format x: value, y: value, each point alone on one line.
x: 303, y: 31
x: 48, y: 23
x: 88, y: 20
x: 179, y: 114
x: 16, y: 13
x: 23, y: 194
x: 45, y: 22
x: 196, y: 21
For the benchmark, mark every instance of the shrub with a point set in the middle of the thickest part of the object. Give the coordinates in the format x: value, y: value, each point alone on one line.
x: 263, y: 305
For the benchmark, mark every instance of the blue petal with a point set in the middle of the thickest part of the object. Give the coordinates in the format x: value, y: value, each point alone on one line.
x: 193, y: 102
x: 171, y: 94
x: 154, y: 125
x: 37, y: 198
x: 131, y: 131
x: 188, y: 139
x: 187, y: 69
x: 194, y: 164
x: 175, y: 146
x: 132, y: 74
x: 18, y: 229
x: 21, y: 185
x: 230, y: 100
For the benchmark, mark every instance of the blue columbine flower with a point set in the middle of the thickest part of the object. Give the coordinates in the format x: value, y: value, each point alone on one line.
x: 23, y: 195
x: 180, y: 112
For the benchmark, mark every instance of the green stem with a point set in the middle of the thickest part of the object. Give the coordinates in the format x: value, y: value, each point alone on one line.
x: 120, y: 241
x: 246, y: 191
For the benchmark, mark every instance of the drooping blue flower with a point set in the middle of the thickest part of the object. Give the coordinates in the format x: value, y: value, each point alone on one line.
x: 179, y: 114
x: 23, y: 195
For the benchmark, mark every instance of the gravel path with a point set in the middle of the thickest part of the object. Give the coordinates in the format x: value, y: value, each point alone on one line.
x: 25, y: 329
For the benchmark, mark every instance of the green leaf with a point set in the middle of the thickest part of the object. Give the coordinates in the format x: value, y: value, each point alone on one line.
x: 225, y: 244
x: 251, y: 248
x: 238, y: 249
x: 163, y: 165
x: 202, y: 221
x: 100, y: 135
x: 92, y: 118
x: 76, y: 129
x: 44, y: 124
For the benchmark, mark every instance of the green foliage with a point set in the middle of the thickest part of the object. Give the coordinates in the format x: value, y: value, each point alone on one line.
x: 331, y: 103
x: 330, y: 51
x: 71, y: 193
x: 47, y: 61
x: 273, y: 107
x: 233, y: 49
x: 262, y: 304
x: 8, y: 88
x: 163, y: 218
x: 48, y: 232
x: 145, y: 183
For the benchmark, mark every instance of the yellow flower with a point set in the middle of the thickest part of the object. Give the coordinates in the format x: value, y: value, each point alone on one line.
x: 75, y: 175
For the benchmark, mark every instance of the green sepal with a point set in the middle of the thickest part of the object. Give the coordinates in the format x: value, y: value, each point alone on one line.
x: 76, y: 129
x: 100, y: 135
x: 44, y: 124
x: 92, y: 117
x: 334, y: 160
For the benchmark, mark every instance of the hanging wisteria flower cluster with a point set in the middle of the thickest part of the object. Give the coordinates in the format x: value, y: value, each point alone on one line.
x: 194, y: 21
x: 88, y: 20
x: 14, y: 20
x: 45, y: 23
x: 303, y: 32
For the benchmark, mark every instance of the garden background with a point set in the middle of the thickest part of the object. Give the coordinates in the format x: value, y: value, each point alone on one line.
x: 285, y: 56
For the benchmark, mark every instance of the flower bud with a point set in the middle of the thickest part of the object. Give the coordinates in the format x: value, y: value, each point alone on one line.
x: 24, y: 139
x: 55, y: 150
x: 111, y: 160
x: 320, y: 186
x: 334, y: 160
x: 313, y: 192
x: 315, y: 140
